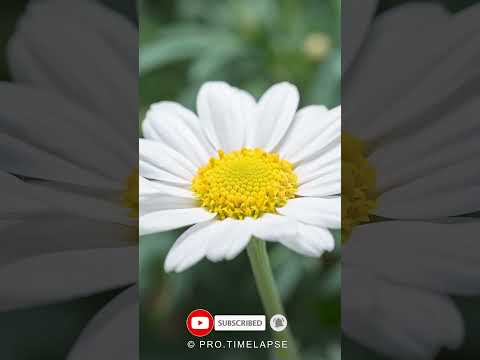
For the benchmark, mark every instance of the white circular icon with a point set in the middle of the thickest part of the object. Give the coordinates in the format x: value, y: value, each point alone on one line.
x: 278, y: 322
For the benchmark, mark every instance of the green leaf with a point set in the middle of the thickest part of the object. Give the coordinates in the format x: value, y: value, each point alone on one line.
x: 212, y: 61
x: 179, y: 43
x: 326, y: 82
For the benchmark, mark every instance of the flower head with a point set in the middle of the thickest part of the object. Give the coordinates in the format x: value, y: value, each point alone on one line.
x: 241, y: 169
x: 245, y: 183
x: 359, y: 196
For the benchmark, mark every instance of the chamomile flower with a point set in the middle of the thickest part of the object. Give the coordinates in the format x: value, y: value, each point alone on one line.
x: 410, y: 178
x: 240, y: 169
x: 68, y: 225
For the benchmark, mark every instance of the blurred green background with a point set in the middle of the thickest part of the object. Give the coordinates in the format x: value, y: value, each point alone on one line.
x: 249, y: 43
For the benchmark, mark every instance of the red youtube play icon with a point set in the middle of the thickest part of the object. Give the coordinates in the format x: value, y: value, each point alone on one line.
x: 200, y: 323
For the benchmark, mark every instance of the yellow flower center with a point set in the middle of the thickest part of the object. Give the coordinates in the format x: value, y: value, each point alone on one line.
x: 130, y: 195
x: 358, y: 185
x: 245, y: 183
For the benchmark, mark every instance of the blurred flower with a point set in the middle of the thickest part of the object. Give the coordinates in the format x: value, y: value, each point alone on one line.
x: 240, y: 169
x: 130, y: 195
x: 317, y: 46
x: 359, y: 197
x: 70, y: 234
x: 420, y: 139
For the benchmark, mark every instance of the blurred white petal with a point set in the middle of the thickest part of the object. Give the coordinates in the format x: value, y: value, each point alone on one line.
x: 57, y: 276
x: 398, y: 321
x: 27, y: 147
x: 358, y: 15
x: 105, y: 83
x: 113, y: 331
x: 443, y: 258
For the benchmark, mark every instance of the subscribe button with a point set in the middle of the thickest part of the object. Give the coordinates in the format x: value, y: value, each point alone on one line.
x: 201, y: 323
x: 240, y: 323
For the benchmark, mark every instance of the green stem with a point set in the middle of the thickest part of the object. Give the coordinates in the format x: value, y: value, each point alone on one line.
x: 262, y: 271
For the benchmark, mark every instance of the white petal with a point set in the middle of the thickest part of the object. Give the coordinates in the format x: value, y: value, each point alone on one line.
x: 29, y: 149
x: 320, y: 165
x: 50, y: 235
x: 228, y: 239
x: 178, y: 128
x: 65, y: 275
x: 165, y: 220
x: 304, y: 239
x: 316, y: 238
x: 442, y: 76
x: 403, y: 30
x: 25, y: 199
x: 159, y: 202
x: 19, y: 199
x: 373, y: 313
x: 190, y: 247
x: 358, y: 16
x: 441, y: 257
x: 240, y: 241
x: 152, y: 187
x: 325, y: 184
x: 96, y: 69
x: 312, y: 132
x: 275, y: 228
x: 432, y: 169
x: 216, y: 240
x: 164, y: 172
x: 323, y: 212
x: 430, y: 152
x: 307, y: 124
x: 82, y: 202
x: 451, y: 191
x: 156, y: 196
x: 161, y: 162
x: 112, y: 333
x: 225, y: 113
x: 275, y: 112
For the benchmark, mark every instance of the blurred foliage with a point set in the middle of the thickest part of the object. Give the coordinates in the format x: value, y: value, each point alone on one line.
x: 9, y: 13
x: 251, y: 44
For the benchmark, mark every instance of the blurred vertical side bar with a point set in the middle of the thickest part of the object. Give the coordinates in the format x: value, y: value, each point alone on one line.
x: 411, y: 180
x: 68, y: 179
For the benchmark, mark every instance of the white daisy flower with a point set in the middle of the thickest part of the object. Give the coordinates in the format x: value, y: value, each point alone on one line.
x: 240, y: 169
x: 67, y: 231
x: 409, y: 161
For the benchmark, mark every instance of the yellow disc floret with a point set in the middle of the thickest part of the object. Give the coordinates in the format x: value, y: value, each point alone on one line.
x: 130, y: 195
x: 359, y: 197
x: 245, y: 183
